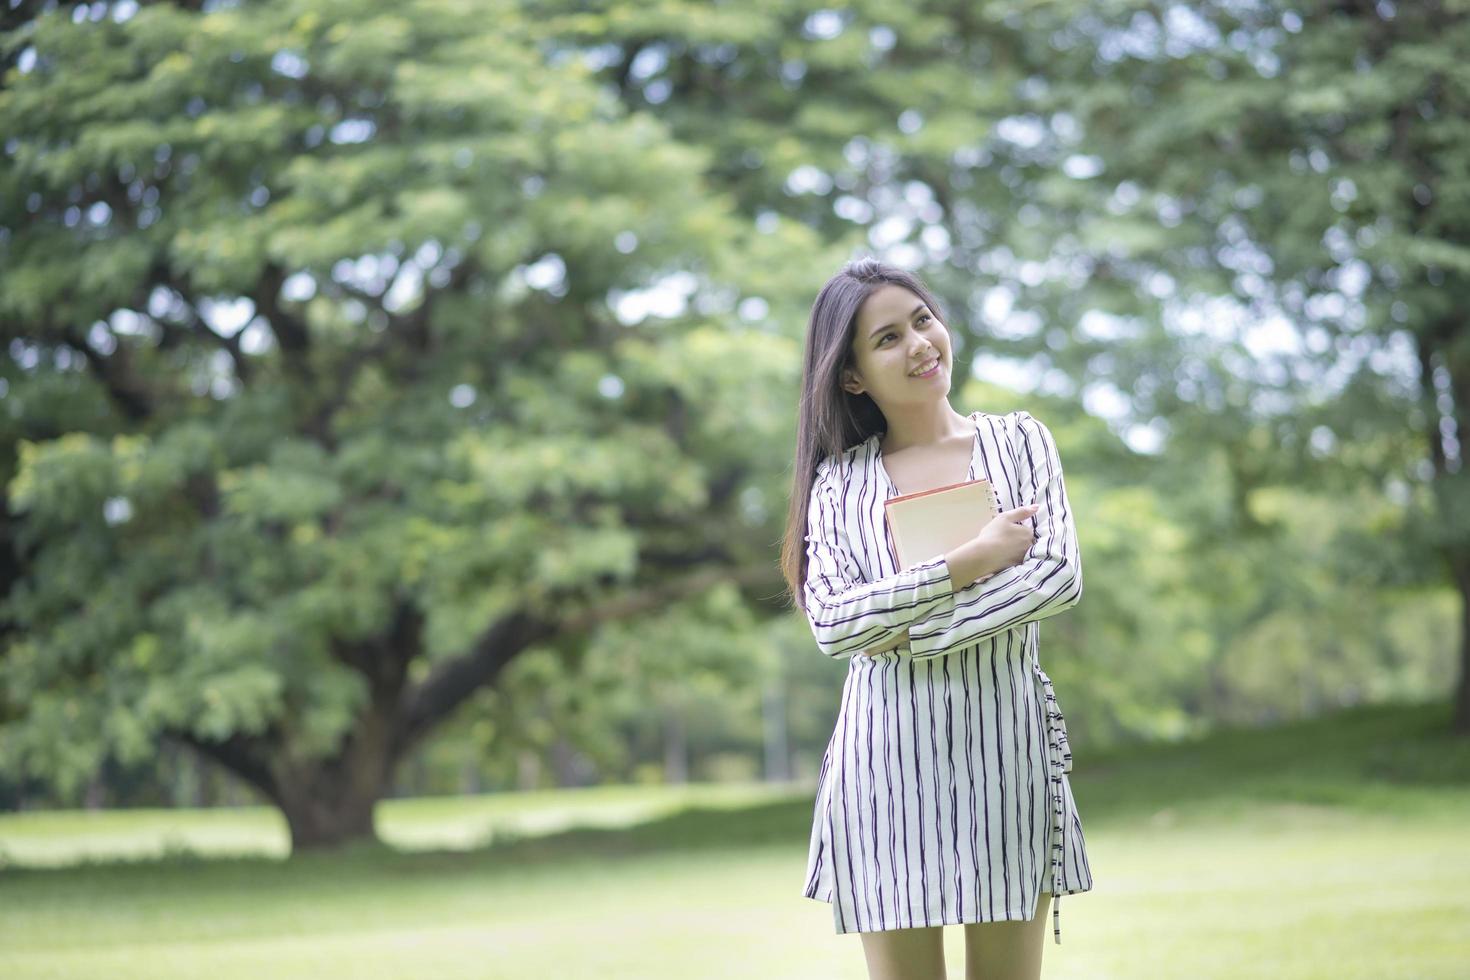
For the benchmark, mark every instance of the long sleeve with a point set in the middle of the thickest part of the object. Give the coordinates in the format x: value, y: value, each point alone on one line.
x: 847, y: 614
x: 1047, y: 581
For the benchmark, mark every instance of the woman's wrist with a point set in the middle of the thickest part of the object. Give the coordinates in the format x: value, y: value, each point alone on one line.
x: 970, y: 563
x: 963, y: 568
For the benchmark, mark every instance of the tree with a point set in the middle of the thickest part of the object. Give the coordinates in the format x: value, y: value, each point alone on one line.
x: 329, y: 391
x: 1306, y: 162
x: 357, y: 348
x: 1122, y: 196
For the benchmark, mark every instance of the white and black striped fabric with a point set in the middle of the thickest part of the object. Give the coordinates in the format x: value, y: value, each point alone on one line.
x: 942, y: 796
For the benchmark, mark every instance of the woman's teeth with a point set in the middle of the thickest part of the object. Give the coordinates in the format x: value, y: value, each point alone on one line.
x: 929, y: 369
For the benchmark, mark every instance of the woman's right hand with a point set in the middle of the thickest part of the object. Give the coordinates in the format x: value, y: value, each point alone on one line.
x: 1004, y: 541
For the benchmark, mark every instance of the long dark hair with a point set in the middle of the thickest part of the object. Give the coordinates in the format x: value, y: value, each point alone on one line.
x: 829, y: 419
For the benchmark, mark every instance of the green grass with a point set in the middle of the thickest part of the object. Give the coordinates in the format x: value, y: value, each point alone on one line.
x: 1337, y: 848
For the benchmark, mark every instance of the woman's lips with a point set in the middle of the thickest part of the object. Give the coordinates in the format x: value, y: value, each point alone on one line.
x: 932, y: 371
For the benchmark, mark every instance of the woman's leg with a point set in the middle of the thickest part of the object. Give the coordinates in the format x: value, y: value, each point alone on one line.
x: 1007, y: 950
x: 905, y: 954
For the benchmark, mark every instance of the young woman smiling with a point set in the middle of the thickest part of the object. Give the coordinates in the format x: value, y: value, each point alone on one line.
x: 943, y: 796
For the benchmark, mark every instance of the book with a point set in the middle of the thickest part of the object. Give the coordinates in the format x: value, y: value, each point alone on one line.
x: 930, y: 523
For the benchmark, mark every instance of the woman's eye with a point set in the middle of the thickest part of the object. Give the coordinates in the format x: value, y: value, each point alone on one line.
x: 890, y: 334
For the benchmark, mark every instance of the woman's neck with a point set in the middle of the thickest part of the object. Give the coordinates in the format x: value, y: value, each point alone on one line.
x: 923, y: 427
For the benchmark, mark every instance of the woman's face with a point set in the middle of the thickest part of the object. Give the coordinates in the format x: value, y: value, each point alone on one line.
x: 896, y: 335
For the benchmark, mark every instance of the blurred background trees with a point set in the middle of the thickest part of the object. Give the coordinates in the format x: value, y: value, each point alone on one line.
x: 399, y: 398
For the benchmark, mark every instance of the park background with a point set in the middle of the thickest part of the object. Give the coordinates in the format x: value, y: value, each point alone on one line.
x: 398, y: 403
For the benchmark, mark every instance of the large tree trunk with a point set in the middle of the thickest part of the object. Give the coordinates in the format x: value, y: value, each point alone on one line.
x: 320, y: 820
x: 329, y: 802
x: 326, y: 802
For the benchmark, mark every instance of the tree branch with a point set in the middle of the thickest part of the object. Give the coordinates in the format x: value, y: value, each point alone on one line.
x: 383, y: 659
x: 128, y: 390
x: 196, y: 323
x: 688, y: 584
x: 290, y: 330
x: 238, y: 754
x: 454, y: 681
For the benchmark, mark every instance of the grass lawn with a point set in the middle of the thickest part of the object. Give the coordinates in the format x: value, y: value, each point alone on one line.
x: 1337, y: 848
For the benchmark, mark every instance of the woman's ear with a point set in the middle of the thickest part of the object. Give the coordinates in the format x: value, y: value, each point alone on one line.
x: 850, y: 382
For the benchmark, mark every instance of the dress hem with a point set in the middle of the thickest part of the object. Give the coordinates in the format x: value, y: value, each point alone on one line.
x: 1011, y: 915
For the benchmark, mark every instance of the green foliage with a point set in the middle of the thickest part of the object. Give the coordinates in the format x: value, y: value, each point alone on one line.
x: 428, y: 426
x: 322, y: 312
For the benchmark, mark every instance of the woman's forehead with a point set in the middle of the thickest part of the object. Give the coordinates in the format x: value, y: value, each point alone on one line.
x: 889, y: 303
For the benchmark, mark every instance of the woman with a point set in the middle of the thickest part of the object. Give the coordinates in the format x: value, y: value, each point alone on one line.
x: 943, y: 796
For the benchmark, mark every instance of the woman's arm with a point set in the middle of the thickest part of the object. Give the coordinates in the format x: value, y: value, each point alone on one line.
x: 849, y: 616
x: 1045, y: 583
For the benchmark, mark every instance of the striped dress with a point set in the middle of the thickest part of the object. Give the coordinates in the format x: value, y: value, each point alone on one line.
x: 943, y: 795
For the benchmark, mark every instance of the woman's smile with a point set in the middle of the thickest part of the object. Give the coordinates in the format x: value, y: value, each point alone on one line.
x: 932, y: 372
